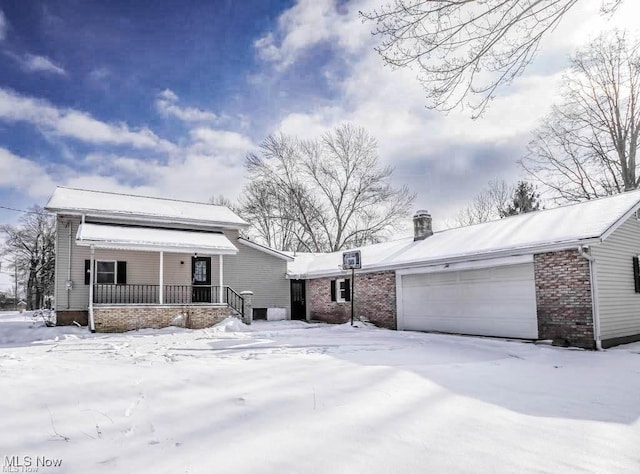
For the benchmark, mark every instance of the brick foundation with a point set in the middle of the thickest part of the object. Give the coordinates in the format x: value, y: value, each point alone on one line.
x: 375, y: 300
x: 67, y: 318
x: 563, y: 298
x: 127, y: 318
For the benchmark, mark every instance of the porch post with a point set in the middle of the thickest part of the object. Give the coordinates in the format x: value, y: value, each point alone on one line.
x: 220, y: 295
x: 161, y: 278
x: 92, y: 326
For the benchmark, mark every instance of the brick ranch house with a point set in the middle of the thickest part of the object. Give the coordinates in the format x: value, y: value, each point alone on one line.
x: 569, y: 274
x: 126, y: 262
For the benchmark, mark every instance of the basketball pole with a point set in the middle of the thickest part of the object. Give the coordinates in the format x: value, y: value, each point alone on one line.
x: 353, y: 291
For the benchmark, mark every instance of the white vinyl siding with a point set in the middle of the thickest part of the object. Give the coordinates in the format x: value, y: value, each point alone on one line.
x: 257, y: 271
x: 498, y: 301
x: 250, y: 269
x: 619, y: 304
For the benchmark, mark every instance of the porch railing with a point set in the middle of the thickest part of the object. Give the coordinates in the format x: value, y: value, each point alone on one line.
x: 172, y: 295
x: 234, y: 300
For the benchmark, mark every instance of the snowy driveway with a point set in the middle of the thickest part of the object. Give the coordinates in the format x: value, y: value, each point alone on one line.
x: 283, y: 397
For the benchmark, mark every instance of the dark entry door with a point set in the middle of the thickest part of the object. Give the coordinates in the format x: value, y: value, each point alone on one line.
x: 201, y: 279
x: 298, y: 303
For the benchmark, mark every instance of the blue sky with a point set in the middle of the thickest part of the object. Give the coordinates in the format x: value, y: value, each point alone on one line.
x: 167, y: 97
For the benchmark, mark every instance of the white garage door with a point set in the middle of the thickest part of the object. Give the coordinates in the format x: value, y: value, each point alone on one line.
x: 498, y: 301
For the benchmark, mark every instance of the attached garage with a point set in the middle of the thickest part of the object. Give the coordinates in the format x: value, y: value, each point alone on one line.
x: 568, y: 275
x: 494, y: 301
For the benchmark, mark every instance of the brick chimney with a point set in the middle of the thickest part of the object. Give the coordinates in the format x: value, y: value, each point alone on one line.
x: 422, y: 225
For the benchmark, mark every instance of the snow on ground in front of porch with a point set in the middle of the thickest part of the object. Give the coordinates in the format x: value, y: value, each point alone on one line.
x: 294, y: 397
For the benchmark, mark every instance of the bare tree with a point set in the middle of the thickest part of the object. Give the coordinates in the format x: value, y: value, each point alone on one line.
x: 221, y: 200
x: 31, y: 248
x: 490, y: 204
x: 464, y: 50
x: 322, y: 195
x: 271, y: 214
x: 586, y: 148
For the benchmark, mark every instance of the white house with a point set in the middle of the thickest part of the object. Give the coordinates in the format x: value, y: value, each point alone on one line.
x: 125, y: 262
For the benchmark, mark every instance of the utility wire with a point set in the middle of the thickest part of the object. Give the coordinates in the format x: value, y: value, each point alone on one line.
x: 17, y: 210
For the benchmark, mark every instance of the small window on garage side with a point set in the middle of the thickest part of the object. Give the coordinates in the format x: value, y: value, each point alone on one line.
x: 636, y: 273
x: 341, y: 290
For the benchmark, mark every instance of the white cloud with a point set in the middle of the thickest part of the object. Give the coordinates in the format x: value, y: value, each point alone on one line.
x: 307, y: 24
x: 35, y: 63
x: 167, y: 105
x: 3, y: 26
x: 99, y: 74
x: 212, y: 163
x: 447, y: 158
x: 209, y: 140
x: 24, y: 175
x: 75, y: 124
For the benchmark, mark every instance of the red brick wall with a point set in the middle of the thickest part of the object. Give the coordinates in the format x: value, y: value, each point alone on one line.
x: 127, y: 318
x: 563, y: 298
x: 375, y: 300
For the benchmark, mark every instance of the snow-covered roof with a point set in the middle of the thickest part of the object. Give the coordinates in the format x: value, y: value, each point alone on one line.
x: 308, y: 264
x: 108, y: 236
x: 267, y: 250
x: 552, y: 229
x: 131, y: 207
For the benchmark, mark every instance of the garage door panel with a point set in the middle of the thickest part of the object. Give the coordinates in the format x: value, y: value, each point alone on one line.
x: 494, y: 302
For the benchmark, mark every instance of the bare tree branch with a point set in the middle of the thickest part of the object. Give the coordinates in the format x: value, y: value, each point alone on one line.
x: 322, y: 195
x: 586, y: 148
x: 489, y: 205
x: 30, y: 248
x: 464, y: 50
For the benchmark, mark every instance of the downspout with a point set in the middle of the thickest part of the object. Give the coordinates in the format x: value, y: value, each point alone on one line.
x: 595, y: 307
x: 68, y: 284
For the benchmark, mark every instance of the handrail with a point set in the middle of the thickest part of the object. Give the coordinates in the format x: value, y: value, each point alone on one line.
x: 235, y: 301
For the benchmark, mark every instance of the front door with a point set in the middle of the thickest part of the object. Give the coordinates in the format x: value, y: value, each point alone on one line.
x: 201, y: 279
x: 298, y: 304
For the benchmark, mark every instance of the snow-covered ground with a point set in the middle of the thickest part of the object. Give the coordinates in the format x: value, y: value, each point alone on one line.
x: 280, y: 397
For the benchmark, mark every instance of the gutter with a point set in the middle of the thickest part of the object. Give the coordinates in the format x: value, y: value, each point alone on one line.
x: 595, y: 306
x: 510, y: 252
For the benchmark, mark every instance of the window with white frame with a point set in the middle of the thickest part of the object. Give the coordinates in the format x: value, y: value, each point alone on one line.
x: 106, y: 272
x: 341, y: 290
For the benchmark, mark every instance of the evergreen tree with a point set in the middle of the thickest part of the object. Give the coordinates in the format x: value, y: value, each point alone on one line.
x: 525, y: 199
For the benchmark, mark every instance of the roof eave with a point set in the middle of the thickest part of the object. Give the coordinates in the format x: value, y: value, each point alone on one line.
x: 267, y: 250
x: 612, y: 228
x: 553, y: 247
x: 98, y: 244
x: 92, y: 213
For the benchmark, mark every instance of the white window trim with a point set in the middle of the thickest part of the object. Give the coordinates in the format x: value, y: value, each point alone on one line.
x: 115, y: 271
x: 339, y: 297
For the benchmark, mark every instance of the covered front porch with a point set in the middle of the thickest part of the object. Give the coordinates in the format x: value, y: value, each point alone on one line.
x: 156, y: 277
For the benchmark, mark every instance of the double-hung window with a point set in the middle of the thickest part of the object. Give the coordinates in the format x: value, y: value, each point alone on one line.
x: 341, y: 290
x: 106, y: 272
